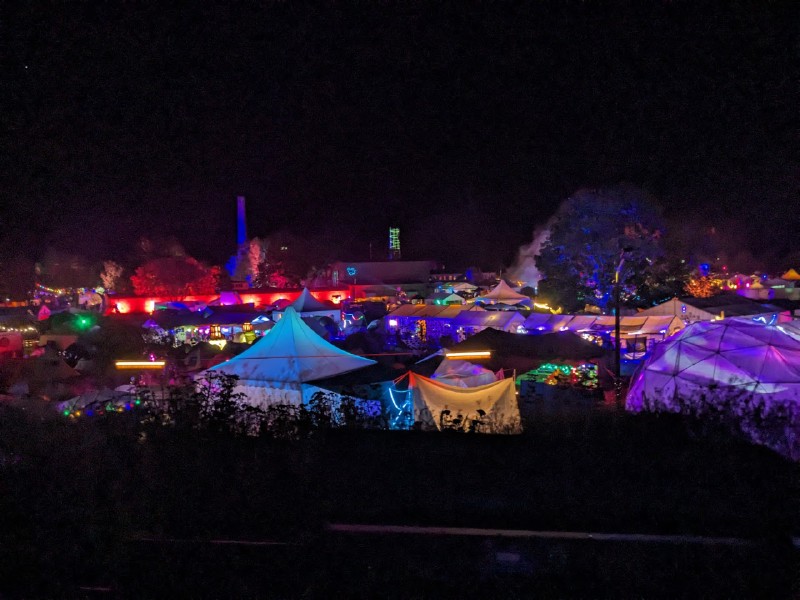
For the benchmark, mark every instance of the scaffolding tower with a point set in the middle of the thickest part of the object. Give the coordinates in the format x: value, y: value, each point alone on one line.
x: 394, y: 243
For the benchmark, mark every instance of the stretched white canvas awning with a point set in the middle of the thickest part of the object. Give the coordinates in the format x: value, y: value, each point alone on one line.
x: 440, y: 406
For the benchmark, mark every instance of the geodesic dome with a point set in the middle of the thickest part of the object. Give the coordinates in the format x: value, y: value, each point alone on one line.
x: 718, y: 361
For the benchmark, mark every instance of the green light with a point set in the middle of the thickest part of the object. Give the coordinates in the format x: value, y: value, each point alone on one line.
x: 66, y: 413
x: 83, y: 322
x: 138, y: 401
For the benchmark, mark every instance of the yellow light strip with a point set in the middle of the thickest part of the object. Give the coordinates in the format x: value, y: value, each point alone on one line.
x: 140, y: 364
x: 479, y: 354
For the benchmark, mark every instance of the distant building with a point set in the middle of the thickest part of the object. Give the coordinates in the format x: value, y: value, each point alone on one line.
x: 382, y: 279
x: 442, y: 276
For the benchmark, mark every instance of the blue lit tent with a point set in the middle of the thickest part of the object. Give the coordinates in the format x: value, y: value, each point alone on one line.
x: 277, y: 368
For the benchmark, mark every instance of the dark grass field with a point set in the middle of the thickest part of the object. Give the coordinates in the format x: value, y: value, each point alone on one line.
x: 97, y: 509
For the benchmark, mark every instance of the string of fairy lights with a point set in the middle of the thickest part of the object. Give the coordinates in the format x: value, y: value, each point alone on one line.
x: 584, y: 375
x: 40, y: 287
x: 104, y: 408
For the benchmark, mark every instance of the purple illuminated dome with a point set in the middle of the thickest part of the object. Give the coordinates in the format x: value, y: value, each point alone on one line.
x: 743, y: 368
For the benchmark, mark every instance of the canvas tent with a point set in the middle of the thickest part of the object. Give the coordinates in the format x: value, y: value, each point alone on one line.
x: 791, y: 275
x: 647, y: 329
x: 468, y: 323
x: 715, y: 307
x: 275, y: 369
x: 446, y: 298
x: 462, y: 373
x: 488, y: 408
x: 460, y: 286
x: 729, y: 365
x: 307, y: 306
x: 525, y: 352
x: 503, y: 294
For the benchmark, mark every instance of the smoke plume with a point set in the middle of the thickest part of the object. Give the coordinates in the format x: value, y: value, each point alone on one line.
x: 524, y: 269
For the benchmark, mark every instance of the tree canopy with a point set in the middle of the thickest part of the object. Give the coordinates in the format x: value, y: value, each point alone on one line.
x: 589, y: 235
x: 175, y: 276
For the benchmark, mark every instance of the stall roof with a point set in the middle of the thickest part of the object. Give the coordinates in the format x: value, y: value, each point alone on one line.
x: 549, y: 346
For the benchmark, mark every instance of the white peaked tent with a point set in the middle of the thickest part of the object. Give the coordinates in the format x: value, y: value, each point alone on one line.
x: 461, y: 373
x: 308, y: 306
x: 503, y: 294
x: 741, y: 365
x: 275, y: 368
x: 440, y: 406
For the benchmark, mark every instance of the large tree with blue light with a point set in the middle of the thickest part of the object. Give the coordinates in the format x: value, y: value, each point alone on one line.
x: 590, y: 234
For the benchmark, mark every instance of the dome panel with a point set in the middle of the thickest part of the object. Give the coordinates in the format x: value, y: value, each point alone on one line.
x: 715, y: 359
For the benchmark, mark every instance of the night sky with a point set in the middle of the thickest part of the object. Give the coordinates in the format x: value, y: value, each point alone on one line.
x: 464, y: 123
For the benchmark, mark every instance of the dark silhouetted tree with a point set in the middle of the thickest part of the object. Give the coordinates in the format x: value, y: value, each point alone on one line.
x: 587, y: 236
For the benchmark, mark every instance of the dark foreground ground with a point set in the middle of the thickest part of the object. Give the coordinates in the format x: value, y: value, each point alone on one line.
x: 97, y: 509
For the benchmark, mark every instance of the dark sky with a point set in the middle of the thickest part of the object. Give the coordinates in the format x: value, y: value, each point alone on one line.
x: 465, y: 123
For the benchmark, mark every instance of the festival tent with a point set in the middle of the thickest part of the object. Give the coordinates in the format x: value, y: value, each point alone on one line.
x: 715, y: 307
x: 427, y: 311
x: 791, y: 275
x: 488, y: 408
x: 639, y: 331
x: 636, y: 325
x: 737, y: 365
x: 99, y: 400
x: 462, y: 373
x: 460, y: 286
x: 715, y: 359
x: 525, y: 352
x: 469, y: 323
x: 446, y: 298
x: 275, y: 368
x: 503, y: 294
x: 308, y: 306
